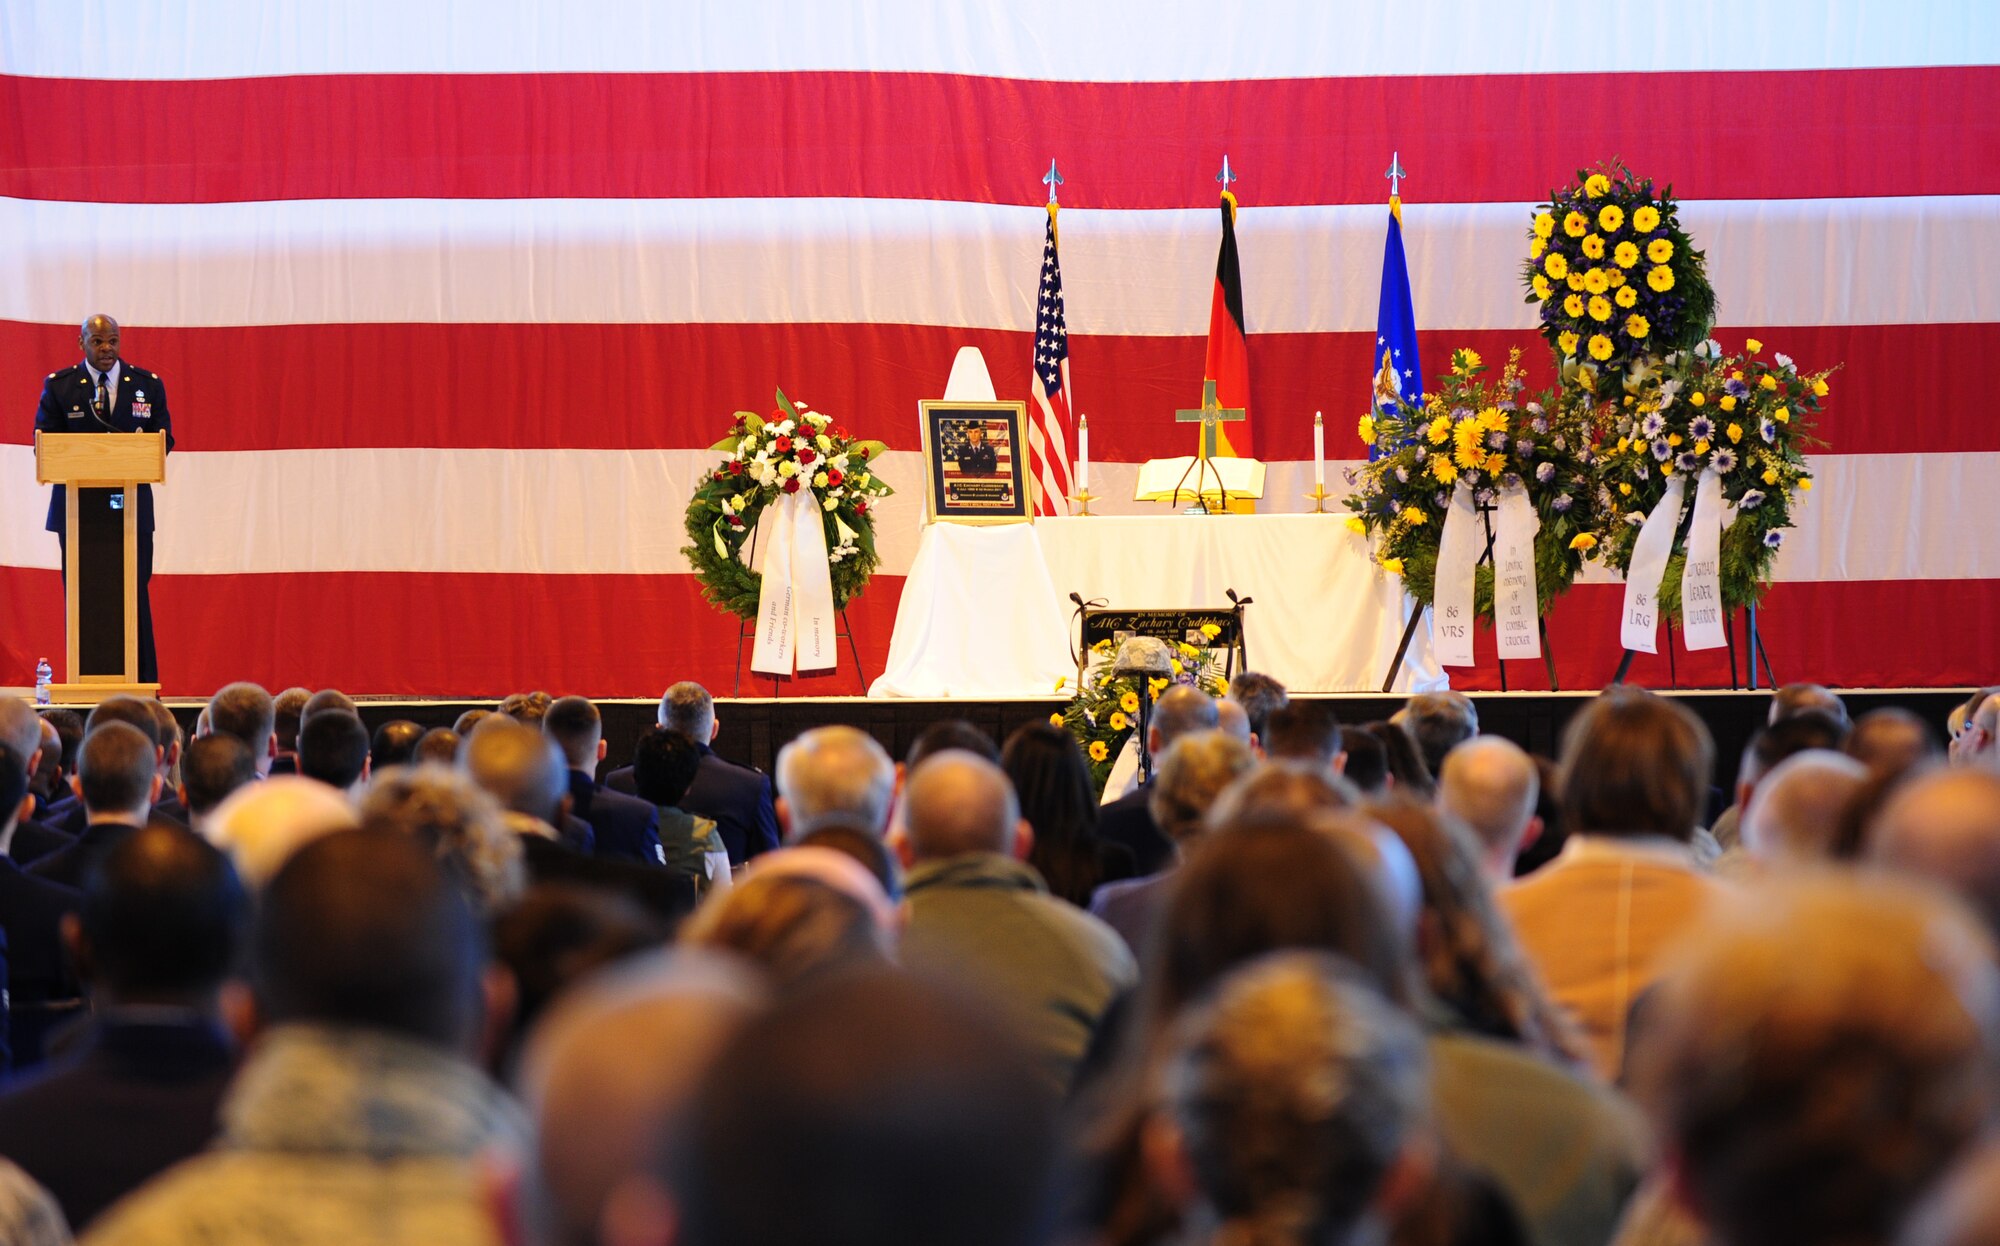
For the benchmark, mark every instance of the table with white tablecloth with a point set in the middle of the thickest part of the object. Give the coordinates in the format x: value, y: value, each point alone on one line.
x: 1325, y: 617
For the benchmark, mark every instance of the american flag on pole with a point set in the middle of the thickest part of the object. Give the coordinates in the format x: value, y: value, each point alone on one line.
x: 1051, y: 428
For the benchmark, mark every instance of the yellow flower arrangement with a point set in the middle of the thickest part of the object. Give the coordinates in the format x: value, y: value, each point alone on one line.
x: 1465, y: 361
x: 1415, y: 518
x: 1596, y: 185
x: 1099, y: 750
x: 1437, y: 430
x: 1394, y: 566
x: 1157, y: 686
x: 1576, y: 224
x: 1752, y: 345
x: 1767, y: 382
x: 1600, y: 347
x: 1600, y: 311
x: 1545, y: 225
x: 1646, y: 218
x: 1610, y: 218
x: 1593, y: 246
x: 1129, y: 702
x: 1442, y: 469
x: 1660, y: 278
x: 1734, y: 432
x: 1357, y: 525
x: 1543, y: 290
x: 1636, y: 327
x: 1819, y: 389
x: 1697, y: 398
x: 1770, y: 475
x: 1782, y: 415
x: 1567, y: 341
x: 1210, y: 631
x: 1596, y: 282
x: 1583, y: 541
x: 1626, y: 296
x: 1555, y: 265
x: 1056, y: 720
x: 1625, y: 254
x: 1536, y: 246
x: 1118, y: 721
x: 1466, y: 440
x: 1660, y: 250
x: 1624, y: 488
x: 1366, y: 427
x: 1726, y: 403
x: 1573, y: 306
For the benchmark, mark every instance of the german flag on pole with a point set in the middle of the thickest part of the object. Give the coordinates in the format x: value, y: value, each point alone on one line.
x: 1228, y: 362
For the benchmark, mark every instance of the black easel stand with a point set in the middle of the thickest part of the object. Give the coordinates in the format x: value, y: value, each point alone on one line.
x: 746, y: 629
x: 1486, y: 510
x: 1754, y: 653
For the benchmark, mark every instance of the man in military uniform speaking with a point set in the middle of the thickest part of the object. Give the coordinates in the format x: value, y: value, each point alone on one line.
x: 104, y: 394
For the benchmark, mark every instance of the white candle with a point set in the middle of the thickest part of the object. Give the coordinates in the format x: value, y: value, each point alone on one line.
x: 1083, y: 454
x: 1319, y: 453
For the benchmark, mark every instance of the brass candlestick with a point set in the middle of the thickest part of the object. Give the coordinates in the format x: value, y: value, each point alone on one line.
x: 1082, y: 498
x: 1319, y: 496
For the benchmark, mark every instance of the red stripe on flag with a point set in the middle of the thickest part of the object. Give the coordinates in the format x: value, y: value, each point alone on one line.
x: 1905, y: 388
x: 575, y: 633
x: 1477, y: 138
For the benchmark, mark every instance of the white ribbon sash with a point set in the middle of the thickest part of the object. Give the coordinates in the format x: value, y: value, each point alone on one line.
x: 1515, y: 605
x: 1451, y: 595
x: 1650, y: 552
x: 1701, y: 580
x: 795, y: 623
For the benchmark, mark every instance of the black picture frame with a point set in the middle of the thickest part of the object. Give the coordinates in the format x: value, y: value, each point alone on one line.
x: 995, y: 486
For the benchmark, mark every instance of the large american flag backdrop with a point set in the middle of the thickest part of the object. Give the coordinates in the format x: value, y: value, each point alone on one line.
x: 449, y: 296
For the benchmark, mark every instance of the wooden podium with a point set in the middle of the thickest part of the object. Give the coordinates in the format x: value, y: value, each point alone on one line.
x: 101, y: 553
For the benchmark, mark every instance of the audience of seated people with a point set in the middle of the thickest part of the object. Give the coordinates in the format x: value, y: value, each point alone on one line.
x: 1391, y: 982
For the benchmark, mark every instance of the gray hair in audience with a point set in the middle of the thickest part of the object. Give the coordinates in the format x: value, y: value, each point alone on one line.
x: 1181, y: 709
x: 1294, y: 1089
x: 688, y: 709
x: 1438, y: 722
x: 1193, y: 772
x: 956, y: 803
x: 835, y: 775
x: 461, y: 822
x: 263, y: 824
x: 1944, y: 826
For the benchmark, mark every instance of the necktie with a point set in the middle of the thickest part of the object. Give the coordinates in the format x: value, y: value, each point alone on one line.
x: 104, y: 397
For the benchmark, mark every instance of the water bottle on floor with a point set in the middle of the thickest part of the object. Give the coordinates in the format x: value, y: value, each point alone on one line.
x: 43, y: 674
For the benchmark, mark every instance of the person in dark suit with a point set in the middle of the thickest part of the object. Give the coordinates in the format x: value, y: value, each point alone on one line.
x: 1181, y: 710
x: 625, y: 826
x: 69, y: 816
x: 42, y: 987
x: 736, y: 798
x: 160, y: 927
x: 21, y: 730
x: 118, y: 781
x: 104, y: 394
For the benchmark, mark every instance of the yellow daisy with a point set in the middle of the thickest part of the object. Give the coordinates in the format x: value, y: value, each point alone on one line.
x: 1573, y: 306
x: 1056, y: 721
x: 1596, y: 282
x: 1610, y: 218
x: 1625, y: 254
x: 1636, y: 326
x: 1583, y: 542
x: 1535, y: 248
x: 1442, y: 469
x: 1415, y: 518
x: 1660, y: 278
x: 1555, y: 266
x: 1600, y: 308
x: 1593, y: 246
x: 1099, y: 750
x: 1119, y: 721
x: 1543, y: 290
x: 1576, y: 224
x: 1545, y: 225
x: 1567, y: 341
x: 1596, y: 185
x: 1600, y: 347
x: 1624, y: 490
x: 1660, y: 250
x: 1394, y: 566
x: 1734, y: 432
x: 1356, y: 524
x: 1366, y: 428
x: 1438, y: 430
x: 1626, y: 296
x: 1575, y: 280
x: 1129, y: 702
x: 1646, y: 219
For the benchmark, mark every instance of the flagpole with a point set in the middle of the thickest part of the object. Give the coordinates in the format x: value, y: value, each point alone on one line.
x: 1083, y: 496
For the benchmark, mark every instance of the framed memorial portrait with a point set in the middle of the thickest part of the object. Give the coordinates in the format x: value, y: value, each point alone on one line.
x: 976, y: 462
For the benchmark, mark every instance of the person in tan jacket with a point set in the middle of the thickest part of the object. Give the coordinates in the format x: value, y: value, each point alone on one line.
x: 1594, y: 922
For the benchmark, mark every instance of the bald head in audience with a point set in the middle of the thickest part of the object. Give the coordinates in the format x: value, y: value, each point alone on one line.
x: 1181, y: 710
x: 958, y: 803
x: 1979, y: 743
x: 1806, y: 698
x: 600, y: 1091
x: 1232, y: 720
x: 834, y: 776
x: 1945, y: 826
x: 263, y: 824
x: 1796, y: 810
x: 521, y: 767
x: 1491, y: 785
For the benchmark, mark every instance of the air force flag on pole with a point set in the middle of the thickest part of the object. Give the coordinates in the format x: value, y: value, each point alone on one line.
x: 1398, y: 374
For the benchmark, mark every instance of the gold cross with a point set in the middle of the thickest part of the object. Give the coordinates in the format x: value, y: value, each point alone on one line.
x: 1208, y: 415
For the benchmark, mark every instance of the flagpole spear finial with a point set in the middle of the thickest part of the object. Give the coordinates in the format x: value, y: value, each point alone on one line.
x: 1225, y: 177
x: 1052, y: 180
x: 1395, y: 173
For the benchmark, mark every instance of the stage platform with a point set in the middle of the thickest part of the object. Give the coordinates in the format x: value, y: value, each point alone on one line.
x: 755, y: 728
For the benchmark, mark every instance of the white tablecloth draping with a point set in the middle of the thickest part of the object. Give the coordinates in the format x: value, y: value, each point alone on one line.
x: 976, y: 612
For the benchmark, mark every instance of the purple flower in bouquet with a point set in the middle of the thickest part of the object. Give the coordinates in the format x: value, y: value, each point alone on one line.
x: 1723, y: 460
x: 1768, y: 431
x: 1459, y: 413
x: 1496, y: 440
x: 1634, y: 518
x: 1482, y: 497
x: 1402, y: 475
x: 1512, y: 480
x: 1350, y: 475
x: 1701, y: 428
x: 1653, y: 424
x: 1561, y: 442
x: 1525, y: 447
x: 1545, y: 472
x: 1562, y: 502
x: 1688, y: 461
x: 1440, y: 499
x: 1736, y: 389
x: 1422, y: 454
x: 1538, y: 426
x: 1662, y: 451
x: 1751, y: 500
x: 1774, y: 538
